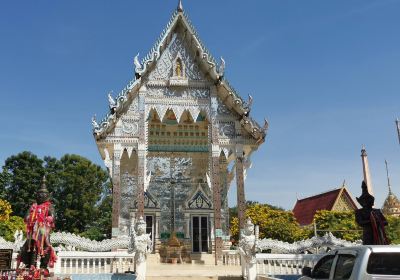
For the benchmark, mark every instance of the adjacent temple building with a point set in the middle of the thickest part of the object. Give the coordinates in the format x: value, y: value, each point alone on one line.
x: 173, y: 141
x: 335, y: 200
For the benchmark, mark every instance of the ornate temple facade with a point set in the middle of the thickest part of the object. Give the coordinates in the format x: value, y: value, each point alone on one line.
x: 173, y: 141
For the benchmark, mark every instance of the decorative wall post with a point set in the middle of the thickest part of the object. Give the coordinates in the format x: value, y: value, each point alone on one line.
x: 215, y: 176
x: 116, y: 182
x: 241, y: 200
x: 217, y: 204
x: 142, y: 152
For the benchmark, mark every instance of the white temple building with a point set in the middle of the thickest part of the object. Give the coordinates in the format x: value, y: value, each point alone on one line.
x: 173, y: 141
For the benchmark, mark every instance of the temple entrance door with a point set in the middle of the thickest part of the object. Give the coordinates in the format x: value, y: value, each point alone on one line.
x: 150, y: 227
x: 200, y: 234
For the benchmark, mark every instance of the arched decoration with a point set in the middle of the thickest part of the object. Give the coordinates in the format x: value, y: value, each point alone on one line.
x: 155, y: 115
x: 194, y: 112
x: 202, y: 116
x: 170, y: 117
x: 186, y: 118
x: 224, y: 152
x: 199, y: 200
x: 129, y: 161
x: 178, y: 111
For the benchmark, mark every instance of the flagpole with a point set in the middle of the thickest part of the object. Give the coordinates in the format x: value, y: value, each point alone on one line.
x: 398, y: 128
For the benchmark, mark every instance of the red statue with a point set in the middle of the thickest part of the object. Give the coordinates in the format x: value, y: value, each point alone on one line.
x: 39, y: 223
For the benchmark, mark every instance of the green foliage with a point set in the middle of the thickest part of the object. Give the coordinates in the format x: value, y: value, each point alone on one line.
x: 77, y: 186
x: 22, y: 175
x: 80, y: 191
x: 273, y: 223
x: 4, y: 182
x: 100, y: 228
x: 341, y: 223
x: 8, y: 227
x: 393, y: 229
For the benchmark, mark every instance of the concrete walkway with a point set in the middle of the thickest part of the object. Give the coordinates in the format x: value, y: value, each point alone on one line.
x: 192, y: 271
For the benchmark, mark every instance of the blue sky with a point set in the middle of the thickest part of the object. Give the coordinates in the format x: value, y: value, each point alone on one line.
x: 325, y: 73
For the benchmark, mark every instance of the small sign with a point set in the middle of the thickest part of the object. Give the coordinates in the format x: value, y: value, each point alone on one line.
x: 226, y: 238
x: 218, y: 233
x: 5, y: 259
x: 115, y: 231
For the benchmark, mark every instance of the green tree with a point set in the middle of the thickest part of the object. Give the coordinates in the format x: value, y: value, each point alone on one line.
x: 80, y: 191
x: 77, y: 186
x: 100, y: 228
x: 393, y: 229
x: 273, y: 222
x: 341, y: 223
x: 4, y: 182
x: 21, y: 176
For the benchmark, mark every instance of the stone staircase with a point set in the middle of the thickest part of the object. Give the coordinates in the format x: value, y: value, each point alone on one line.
x: 192, y: 272
x: 202, y: 267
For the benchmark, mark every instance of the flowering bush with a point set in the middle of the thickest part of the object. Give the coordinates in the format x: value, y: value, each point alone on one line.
x: 5, y: 210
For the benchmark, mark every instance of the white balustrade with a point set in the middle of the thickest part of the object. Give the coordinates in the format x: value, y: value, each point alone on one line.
x: 284, y: 264
x: 230, y: 257
x: 77, y: 262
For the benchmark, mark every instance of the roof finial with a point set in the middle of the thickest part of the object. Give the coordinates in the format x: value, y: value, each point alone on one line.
x: 180, y: 6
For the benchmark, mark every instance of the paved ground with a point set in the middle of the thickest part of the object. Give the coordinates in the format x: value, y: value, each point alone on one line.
x: 192, y: 271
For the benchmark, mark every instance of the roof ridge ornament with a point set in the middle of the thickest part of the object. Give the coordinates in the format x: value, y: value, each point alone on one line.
x: 221, y: 68
x: 111, y: 102
x: 138, y: 66
x: 94, y: 123
x: 180, y: 6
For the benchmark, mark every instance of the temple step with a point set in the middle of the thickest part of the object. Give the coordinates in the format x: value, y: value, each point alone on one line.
x: 194, y: 277
x: 193, y: 271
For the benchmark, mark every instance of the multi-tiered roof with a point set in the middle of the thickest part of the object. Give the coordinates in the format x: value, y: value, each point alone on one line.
x: 206, y: 61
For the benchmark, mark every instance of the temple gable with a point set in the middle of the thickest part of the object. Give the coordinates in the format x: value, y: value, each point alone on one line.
x: 176, y: 61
